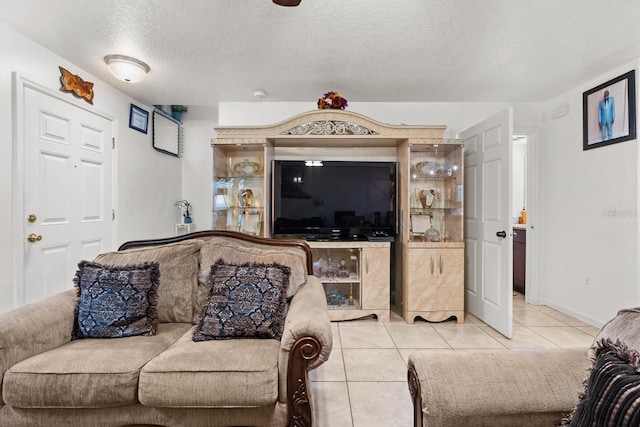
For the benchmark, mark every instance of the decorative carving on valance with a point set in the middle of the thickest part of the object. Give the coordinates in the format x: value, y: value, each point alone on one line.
x: 307, y: 128
x: 329, y: 127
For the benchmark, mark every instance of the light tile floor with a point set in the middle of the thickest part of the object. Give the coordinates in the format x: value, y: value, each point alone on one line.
x: 364, y: 382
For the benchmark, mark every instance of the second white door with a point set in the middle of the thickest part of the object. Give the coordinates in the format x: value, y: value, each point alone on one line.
x: 487, y: 207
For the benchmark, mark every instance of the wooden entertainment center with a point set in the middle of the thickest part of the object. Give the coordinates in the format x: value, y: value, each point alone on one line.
x: 428, y: 251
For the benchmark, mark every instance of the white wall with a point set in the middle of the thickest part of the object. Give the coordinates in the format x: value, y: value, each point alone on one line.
x: 589, y: 215
x: 197, y: 163
x: 148, y: 182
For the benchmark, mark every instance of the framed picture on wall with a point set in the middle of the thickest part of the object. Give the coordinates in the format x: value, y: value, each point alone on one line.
x: 138, y: 119
x: 609, y: 112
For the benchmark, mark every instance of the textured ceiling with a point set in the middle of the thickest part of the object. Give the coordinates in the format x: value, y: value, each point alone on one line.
x: 202, y: 52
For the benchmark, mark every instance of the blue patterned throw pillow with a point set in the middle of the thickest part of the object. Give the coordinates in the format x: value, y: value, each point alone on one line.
x: 116, y: 301
x: 245, y: 301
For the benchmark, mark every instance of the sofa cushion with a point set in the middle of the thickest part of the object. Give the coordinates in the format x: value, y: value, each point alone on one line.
x: 88, y: 373
x: 246, y: 301
x: 237, y: 252
x: 218, y: 373
x: 116, y: 301
x: 178, y: 264
x: 612, y: 392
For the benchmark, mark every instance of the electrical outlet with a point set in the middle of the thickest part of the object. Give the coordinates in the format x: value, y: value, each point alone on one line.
x: 586, y: 282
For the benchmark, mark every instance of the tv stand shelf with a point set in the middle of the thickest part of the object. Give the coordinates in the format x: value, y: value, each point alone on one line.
x: 355, y: 276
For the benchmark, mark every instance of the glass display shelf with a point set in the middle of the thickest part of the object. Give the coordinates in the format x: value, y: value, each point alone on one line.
x: 339, y: 271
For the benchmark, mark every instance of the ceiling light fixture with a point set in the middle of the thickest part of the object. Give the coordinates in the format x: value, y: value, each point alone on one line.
x: 126, y: 68
x: 259, y: 93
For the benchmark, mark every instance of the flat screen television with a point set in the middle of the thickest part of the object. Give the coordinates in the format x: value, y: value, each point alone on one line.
x: 334, y: 199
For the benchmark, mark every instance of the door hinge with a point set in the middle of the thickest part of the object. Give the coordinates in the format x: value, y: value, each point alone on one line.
x: 113, y: 214
x: 113, y: 143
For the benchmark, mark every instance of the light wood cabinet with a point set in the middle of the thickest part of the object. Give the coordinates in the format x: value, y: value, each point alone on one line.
x: 434, y: 287
x: 355, y: 276
x: 431, y: 243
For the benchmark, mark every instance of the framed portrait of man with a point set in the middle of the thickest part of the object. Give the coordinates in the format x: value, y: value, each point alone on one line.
x: 609, y: 112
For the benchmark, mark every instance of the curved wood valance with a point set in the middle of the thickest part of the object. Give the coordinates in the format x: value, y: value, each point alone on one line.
x: 326, y: 125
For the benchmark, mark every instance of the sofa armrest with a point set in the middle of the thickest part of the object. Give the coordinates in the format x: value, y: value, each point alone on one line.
x: 495, y: 387
x: 308, y: 316
x: 35, y: 328
x: 306, y: 343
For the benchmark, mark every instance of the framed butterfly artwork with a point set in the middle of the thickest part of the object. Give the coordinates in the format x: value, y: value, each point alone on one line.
x: 76, y: 85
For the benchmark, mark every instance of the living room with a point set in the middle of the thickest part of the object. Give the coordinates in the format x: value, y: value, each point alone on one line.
x: 587, y: 226
x: 587, y: 221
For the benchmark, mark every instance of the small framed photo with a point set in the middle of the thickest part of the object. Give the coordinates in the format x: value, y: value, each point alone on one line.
x: 138, y: 119
x: 609, y: 112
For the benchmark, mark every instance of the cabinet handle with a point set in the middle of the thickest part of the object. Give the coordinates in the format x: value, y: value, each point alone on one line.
x: 366, y: 263
x: 431, y: 264
x: 441, y: 264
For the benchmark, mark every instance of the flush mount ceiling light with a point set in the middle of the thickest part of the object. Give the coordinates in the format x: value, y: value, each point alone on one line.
x: 127, y: 69
x: 260, y: 93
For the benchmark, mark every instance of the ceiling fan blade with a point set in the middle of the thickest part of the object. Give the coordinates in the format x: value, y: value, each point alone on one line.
x: 287, y: 2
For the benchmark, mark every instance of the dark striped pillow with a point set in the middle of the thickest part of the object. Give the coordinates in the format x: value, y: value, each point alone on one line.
x: 612, y: 390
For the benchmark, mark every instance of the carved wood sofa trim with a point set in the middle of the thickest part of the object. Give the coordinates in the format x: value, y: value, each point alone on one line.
x: 225, y: 233
x: 416, y: 396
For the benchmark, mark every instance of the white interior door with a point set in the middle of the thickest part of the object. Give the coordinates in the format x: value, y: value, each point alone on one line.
x: 488, y: 258
x: 68, y: 194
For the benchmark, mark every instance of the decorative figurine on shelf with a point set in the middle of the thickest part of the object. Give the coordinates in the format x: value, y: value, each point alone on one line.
x: 247, y: 197
x: 432, y: 235
x: 343, y: 271
x: 335, y: 298
x: 186, y: 208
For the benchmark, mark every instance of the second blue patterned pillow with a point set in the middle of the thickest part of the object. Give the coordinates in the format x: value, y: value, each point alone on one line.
x: 245, y: 301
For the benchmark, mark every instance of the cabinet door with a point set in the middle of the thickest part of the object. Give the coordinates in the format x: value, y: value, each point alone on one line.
x: 375, y: 278
x: 420, y: 289
x: 450, y: 271
x: 519, y: 260
x: 436, y: 280
x: 241, y: 194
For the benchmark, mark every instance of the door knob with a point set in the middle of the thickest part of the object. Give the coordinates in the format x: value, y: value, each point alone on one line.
x: 32, y: 218
x: 502, y: 234
x: 33, y: 237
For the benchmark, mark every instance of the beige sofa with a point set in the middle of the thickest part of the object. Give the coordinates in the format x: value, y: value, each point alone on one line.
x: 168, y: 379
x: 528, y: 387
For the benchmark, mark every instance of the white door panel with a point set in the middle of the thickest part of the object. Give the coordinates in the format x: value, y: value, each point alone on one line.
x: 67, y: 176
x: 488, y: 284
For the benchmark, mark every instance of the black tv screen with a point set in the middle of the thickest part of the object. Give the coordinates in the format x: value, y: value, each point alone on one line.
x: 334, y: 198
